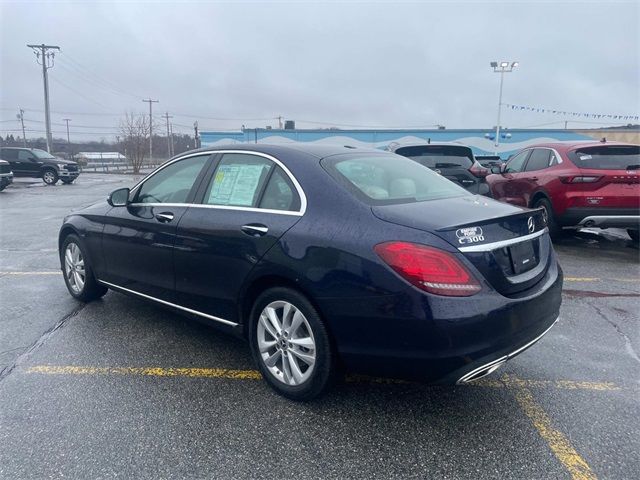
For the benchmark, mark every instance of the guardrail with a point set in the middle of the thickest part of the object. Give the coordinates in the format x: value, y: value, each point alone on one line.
x: 115, y: 167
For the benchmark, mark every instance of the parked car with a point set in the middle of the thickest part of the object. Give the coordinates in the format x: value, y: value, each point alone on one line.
x: 578, y: 184
x: 453, y: 161
x: 6, y: 175
x: 325, y: 257
x: 36, y: 163
x: 489, y: 161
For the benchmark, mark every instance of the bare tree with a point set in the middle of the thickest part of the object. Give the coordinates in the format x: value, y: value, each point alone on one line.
x: 135, y: 130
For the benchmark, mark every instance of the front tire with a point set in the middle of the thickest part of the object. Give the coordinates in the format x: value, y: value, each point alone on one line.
x: 68, y: 181
x: 78, y: 274
x: 50, y: 176
x: 291, y: 345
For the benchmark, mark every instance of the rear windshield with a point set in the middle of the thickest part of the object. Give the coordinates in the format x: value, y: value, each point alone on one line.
x: 607, y: 157
x: 387, y: 179
x: 439, y: 156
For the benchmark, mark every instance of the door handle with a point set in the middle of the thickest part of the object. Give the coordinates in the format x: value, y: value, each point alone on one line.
x: 164, y: 217
x: 255, y: 229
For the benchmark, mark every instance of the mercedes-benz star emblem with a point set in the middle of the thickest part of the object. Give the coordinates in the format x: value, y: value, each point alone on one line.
x: 531, y: 225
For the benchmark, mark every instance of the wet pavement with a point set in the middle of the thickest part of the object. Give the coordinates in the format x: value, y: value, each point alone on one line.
x: 122, y: 388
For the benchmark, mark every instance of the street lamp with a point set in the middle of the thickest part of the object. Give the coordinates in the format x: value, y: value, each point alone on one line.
x: 502, y: 68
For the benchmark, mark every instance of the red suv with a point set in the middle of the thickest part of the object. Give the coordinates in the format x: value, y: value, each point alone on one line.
x: 579, y: 184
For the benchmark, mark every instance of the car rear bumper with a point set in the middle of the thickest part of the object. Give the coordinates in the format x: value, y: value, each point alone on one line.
x: 438, y: 339
x: 601, y: 217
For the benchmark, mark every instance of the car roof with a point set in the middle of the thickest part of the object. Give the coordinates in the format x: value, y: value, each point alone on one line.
x: 573, y: 144
x: 318, y: 151
x: 394, y: 146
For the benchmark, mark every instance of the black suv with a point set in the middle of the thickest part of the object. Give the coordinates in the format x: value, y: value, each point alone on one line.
x: 453, y: 161
x: 33, y: 162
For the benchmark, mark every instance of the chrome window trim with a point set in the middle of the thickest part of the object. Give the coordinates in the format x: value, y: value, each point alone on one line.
x: 164, y: 302
x: 487, y: 247
x: 219, y: 207
x: 296, y: 184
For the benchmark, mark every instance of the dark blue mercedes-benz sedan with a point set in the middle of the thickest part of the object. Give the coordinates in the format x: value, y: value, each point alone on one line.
x: 325, y: 258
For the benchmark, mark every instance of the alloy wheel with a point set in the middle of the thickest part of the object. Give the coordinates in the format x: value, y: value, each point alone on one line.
x: 48, y: 177
x: 74, y: 267
x: 286, y: 343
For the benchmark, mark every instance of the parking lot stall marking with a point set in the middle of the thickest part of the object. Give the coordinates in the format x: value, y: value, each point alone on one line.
x: 32, y: 273
x: 148, y: 371
x: 557, y: 441
x: 255, y: 375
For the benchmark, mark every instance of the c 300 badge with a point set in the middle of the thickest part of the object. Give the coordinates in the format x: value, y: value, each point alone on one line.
x: 469, y: 235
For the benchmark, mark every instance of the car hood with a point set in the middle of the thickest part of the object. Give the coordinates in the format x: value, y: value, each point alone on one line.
x: 60, y: 160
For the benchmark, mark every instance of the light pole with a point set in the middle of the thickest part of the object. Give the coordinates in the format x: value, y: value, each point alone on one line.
x: 502, y: 68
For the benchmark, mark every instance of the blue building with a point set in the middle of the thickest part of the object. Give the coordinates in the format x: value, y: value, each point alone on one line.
x: 481, y: 141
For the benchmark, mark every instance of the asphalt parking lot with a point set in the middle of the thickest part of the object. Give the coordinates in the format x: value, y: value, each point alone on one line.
x: 121, y: 388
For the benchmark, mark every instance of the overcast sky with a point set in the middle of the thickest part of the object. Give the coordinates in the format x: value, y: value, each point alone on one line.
x: 389, y: 64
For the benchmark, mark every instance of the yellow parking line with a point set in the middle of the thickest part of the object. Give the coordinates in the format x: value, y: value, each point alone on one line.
x: 557, y: 441
x: 255, y: 375
x: 559, y: 384
x: 31, y: 273
x: 148, y: 371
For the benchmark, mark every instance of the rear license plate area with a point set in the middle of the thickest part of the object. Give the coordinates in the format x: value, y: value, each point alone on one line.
x: 523, y: 257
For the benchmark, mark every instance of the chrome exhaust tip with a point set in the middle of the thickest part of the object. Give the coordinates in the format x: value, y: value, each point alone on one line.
x: 482, y: 371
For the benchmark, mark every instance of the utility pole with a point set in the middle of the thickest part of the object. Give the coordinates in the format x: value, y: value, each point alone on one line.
x: 280, y: 122
x: 21, y: 117
x: 46, y: 59
x: 195, y: 135
x: 151, y: 102
x: 565, y: 124
x: 67, y: 120
x: 171, y: 135
x: 169, y: 139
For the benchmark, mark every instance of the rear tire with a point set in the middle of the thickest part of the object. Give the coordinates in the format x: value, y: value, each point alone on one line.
x: 634, y: 234
x: 290, y: 344
x: 78, y: 274
x: 554, y: 229
x: 50, y: 176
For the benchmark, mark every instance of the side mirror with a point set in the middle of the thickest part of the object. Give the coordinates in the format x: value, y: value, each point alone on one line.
x: 119, y: 198
x: 496, y: 169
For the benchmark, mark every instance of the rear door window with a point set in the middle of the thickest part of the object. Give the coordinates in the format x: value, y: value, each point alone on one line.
x: 8, y: 154
x: 538, y: 160
x: 239, y: 180
x: 607, y: 157
x: 439, y: 156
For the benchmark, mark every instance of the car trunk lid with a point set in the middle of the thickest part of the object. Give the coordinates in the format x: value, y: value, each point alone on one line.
x: 508, y: 245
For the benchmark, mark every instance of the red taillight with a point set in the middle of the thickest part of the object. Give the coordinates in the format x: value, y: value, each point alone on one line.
x: 479, y: 171
x: 580, y: 179
x: 428, y: 268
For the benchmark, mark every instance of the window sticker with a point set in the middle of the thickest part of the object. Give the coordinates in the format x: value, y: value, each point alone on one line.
x: 585, y: 156
x: 235, y: 185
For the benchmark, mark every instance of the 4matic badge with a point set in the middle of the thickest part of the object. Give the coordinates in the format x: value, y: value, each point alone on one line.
x: 469, y: 235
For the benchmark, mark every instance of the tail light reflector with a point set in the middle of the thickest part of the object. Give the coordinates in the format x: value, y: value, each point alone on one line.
x: 428, y: 268
x: 580, y: 179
